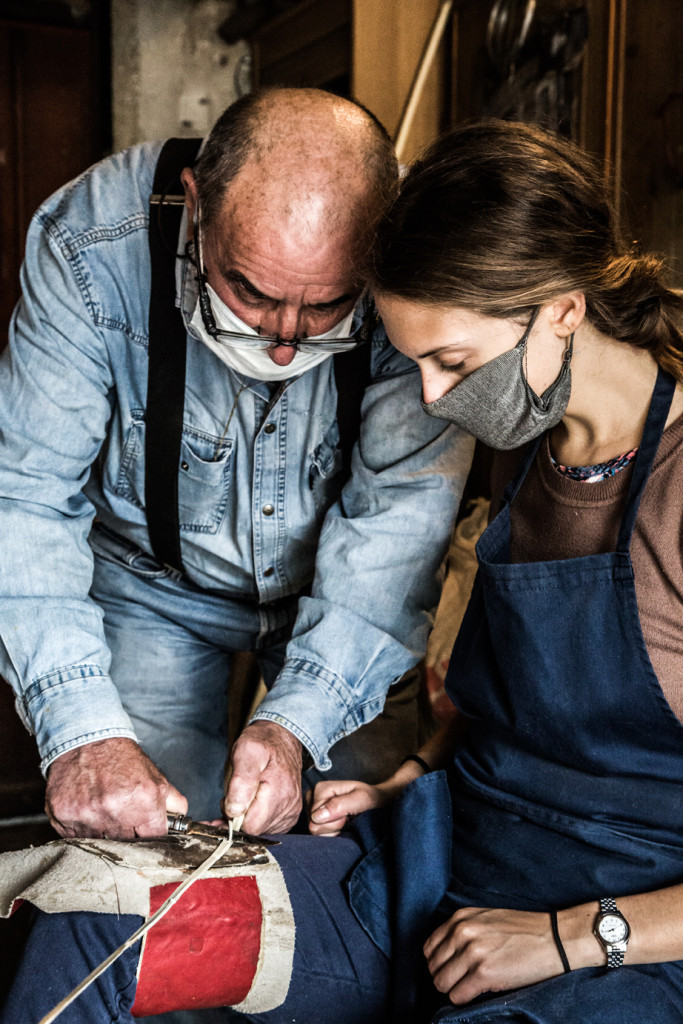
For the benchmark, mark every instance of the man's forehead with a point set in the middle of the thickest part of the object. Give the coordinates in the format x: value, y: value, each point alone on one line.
x: 281, y: 254
x: 318, y: 200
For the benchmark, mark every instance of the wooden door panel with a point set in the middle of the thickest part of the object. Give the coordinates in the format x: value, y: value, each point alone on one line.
x: 49, y: 130
x: 54, y: 122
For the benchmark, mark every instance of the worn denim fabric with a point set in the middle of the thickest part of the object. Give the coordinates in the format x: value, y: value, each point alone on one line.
x: 72, y: 427
x: 338, y: 975
x: 639, y: 994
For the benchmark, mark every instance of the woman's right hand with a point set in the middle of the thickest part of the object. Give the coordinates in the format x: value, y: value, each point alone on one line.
x: 331, y: 804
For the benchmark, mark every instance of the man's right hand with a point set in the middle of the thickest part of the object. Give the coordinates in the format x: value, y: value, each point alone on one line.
x: 109, y: 788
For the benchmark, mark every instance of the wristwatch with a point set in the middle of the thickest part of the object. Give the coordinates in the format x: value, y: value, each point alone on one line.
x: 612, y: 931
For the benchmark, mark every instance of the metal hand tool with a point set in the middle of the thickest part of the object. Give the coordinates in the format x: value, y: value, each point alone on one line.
x: 182, y: 824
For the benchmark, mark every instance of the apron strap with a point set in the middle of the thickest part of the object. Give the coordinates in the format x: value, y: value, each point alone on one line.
x: 514, y: 485
x: 662, y: 396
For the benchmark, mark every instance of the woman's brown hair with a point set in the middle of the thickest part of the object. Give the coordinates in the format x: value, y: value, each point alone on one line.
x: 499, y: 217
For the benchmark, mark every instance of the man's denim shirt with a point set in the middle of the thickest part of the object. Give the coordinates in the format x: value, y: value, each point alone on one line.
x: 72, y: 425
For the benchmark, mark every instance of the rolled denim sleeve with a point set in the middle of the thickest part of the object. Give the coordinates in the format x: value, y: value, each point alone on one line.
x: 378, y: 569
x: 54, y: 385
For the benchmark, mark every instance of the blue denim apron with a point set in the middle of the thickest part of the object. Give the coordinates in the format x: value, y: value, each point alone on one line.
x: 566, y: 787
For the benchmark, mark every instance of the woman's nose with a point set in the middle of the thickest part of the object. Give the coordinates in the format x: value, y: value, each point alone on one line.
x: 435, y: 386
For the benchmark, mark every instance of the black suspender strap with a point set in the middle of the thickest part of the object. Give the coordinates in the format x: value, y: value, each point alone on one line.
x: 352, y: 376
x: 167, y: 345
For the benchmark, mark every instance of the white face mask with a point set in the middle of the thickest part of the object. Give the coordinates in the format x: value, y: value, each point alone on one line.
x: 256, y: 362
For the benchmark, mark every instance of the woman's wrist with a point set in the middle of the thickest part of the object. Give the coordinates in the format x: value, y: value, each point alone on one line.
x: 407, y: 772
x: 575, y: 928
x: 420, y: 761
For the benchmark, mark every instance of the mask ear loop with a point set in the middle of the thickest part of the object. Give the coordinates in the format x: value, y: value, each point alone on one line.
x: 542, y: 400
x: 203, y: 295
x: 522, y: 343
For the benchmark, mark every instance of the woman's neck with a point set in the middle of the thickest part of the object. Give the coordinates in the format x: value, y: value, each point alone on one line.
x: 612, y: 384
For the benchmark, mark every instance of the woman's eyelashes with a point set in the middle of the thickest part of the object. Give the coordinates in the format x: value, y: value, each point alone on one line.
x: 458, y: 368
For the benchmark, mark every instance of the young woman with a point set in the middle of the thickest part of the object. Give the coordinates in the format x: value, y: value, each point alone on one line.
x: 544, y: 882
x: 500, y: 270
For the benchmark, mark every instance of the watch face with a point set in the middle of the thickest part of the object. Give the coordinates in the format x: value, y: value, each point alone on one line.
x: 612, y: 928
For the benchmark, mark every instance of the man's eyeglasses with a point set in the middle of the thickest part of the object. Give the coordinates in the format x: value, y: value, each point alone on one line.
x: 263, y: 341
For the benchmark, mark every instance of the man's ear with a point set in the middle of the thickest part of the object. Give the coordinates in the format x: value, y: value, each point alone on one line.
x: 191, y: 198
x: 566, y: 312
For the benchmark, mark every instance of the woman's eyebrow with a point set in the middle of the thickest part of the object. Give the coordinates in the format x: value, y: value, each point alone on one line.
x: 434, y: 351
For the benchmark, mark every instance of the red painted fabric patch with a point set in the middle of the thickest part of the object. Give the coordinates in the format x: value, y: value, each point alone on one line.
x: 205, y: 950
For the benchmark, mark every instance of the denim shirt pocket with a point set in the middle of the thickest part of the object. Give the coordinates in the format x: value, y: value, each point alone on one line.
x: 203, y: 475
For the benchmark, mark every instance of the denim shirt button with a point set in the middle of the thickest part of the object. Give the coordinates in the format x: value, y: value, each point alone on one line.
x: 267, y: 510
x: 184, y: 465
x: 269, y: 428
x: 269, y: 571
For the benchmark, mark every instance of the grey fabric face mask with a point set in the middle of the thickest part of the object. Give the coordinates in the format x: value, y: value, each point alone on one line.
x: 496, y: 405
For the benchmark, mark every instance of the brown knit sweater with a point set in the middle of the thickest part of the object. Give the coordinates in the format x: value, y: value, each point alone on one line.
x: 555, y: 517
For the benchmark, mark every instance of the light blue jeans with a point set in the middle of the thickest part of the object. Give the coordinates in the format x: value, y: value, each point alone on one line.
x: 172, y: 650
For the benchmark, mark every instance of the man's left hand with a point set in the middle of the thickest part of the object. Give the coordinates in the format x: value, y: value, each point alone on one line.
x: 266, y: 779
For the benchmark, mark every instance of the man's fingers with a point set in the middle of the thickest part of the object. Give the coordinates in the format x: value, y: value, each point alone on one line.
x: 276, y: 808
x: 241, y: 795
x: 258, y: 815
x: 249, y: 759
x: 176, y: 803
x: 108, y: 788
x: 266, y: 778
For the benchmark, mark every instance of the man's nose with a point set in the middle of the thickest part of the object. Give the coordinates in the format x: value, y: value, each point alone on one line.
x: 281, y: 355
x: 286, y: 323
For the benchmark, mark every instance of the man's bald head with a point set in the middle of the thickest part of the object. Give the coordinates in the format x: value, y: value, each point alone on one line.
x: 302, y: 159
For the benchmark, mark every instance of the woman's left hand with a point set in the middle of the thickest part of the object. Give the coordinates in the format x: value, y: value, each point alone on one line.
x: 481, y: 950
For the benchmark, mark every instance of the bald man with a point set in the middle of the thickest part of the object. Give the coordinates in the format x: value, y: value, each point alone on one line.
x: 119, y: 656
